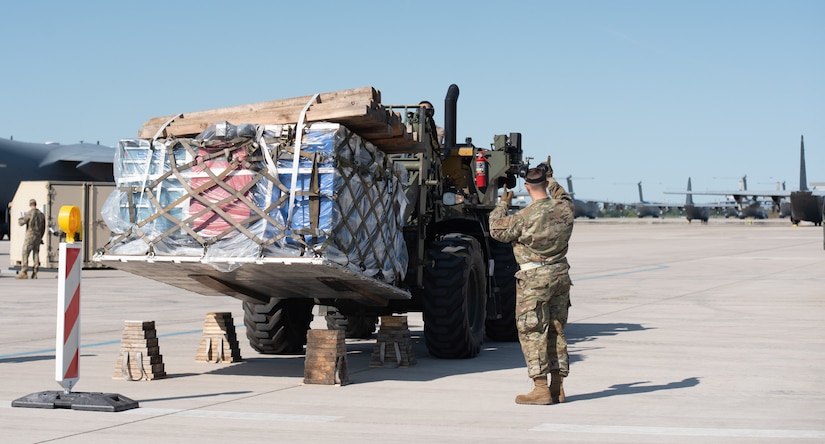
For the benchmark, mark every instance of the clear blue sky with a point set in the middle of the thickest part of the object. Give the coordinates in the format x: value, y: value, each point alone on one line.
x: 616, y: 91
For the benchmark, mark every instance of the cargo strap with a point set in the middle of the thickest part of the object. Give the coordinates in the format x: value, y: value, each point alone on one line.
x: 299, y: 133
x: 383, y: 349
x: 218, y: 354
x: 126, y: 370
x: 340, y: 369
x: 149, y: 155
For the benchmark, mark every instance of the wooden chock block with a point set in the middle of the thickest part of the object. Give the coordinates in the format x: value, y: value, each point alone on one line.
x: 326, y: 358
x: 393, y: 347
x: 139, y: 358
x: 219, y: 343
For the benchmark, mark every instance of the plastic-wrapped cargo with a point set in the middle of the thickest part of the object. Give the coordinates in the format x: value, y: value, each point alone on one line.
x: 245, y: 192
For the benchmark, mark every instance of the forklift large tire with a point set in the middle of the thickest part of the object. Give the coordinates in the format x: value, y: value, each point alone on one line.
x: 354, y: 326
x: 278, y: 327
x: 504, y: 328
x: 455, y: 292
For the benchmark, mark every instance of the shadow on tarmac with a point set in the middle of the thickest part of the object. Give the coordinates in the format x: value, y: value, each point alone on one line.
x: 34, y: 358
x: 205, y: 395
x: 494, y: 356
x: 634, y: 388
x: 579, y: 332
x: 19, y: 359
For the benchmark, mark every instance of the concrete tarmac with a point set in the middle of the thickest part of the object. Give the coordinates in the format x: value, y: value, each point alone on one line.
x: 678, y: 333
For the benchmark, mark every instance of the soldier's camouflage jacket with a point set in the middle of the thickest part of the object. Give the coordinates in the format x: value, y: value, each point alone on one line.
x: 35, y: 222
x: 540, y: 234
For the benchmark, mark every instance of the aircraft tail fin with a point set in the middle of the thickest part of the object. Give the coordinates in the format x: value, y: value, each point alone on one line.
x: 803, y: 177
x: 641, y: 198
x: 689, y: 197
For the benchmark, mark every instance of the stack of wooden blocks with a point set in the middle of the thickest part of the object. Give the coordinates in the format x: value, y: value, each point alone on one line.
x: 393, y: 347
x: 140, y: 357
x: 326, y: 358
x: 219, y: 342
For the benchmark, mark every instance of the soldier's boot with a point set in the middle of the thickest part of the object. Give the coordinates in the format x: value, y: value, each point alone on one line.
x: 540, y: 394
x: 23, y: 274
x: 556, y: 388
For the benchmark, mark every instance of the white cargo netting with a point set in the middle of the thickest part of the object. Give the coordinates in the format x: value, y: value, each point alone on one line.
x: 226, y: 194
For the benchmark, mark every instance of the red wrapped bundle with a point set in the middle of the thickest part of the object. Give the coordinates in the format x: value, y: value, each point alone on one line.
x: 210, y: 223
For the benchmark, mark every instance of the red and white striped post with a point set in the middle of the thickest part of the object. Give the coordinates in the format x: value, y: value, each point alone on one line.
x: 67, y: 350
x: 67, y: 342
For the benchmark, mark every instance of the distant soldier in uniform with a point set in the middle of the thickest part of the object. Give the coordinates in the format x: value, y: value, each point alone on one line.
x: 35, y: 222
x: 435, y: 130
x: 540, y: 234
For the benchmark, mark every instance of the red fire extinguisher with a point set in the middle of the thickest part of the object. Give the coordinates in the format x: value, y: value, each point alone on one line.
x: 481, y: 170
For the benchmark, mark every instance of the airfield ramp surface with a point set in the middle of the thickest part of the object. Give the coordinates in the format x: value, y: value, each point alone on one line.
x: 678, y: 333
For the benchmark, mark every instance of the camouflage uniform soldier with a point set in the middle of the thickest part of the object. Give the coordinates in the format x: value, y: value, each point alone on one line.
x: 35, y: 223
x: 540, y: 233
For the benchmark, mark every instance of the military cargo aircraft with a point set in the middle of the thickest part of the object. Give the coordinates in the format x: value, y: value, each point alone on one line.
x: 693, y: 211
x: 805, y: 204
x: 701, y: 212
x: 582, y: 208
x: 21, y: 161
x: 645, y: 208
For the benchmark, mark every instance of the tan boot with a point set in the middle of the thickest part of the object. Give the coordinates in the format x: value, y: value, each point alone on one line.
x: 556, y: 388
x: 540, y: 394
x: 22, y: 275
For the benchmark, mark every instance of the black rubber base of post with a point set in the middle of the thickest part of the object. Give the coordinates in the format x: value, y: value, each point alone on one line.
x: 95, y: 402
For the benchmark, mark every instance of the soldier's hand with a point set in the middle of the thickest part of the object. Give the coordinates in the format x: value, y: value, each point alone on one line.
x: 548, y: 170
x: 507, y: 196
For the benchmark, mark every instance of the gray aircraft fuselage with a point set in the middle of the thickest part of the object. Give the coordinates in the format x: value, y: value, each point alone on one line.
x: 23, y: 161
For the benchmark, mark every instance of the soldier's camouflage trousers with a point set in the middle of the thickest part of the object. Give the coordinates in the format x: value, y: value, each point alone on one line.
x: 31, y: 248
x: 541, y: 315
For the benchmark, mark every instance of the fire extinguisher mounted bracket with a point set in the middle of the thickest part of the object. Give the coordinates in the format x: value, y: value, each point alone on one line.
x: 481, y: 168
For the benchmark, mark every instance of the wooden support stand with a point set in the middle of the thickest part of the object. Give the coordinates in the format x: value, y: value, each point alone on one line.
x: 326, y: 358
x: 140, y: 357
x: 393, y: 347
x: 220, y: 342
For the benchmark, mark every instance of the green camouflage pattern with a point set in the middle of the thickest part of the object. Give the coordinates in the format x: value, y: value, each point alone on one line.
x: 542, y: 303
x: 35, y: 222
x: 540, y: 233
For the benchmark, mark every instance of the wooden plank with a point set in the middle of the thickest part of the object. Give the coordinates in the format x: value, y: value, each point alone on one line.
x: 190, y: 126
x: 291, y: 107
x: 365, y: 94
x: 358, y: 109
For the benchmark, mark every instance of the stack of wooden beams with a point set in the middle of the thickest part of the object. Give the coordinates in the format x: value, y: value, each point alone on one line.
x: 393, y: 347
x: 219, y: 342
x: 358, y: 109
x: 326, y: 358
x: 140, y: 357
